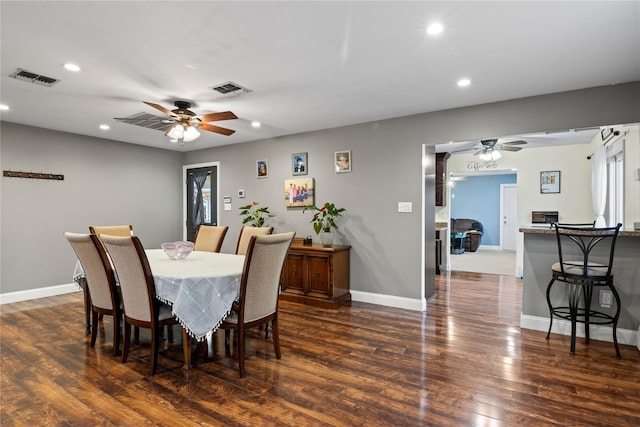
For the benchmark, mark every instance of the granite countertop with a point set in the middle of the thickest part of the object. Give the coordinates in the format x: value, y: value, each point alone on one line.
x: 546, y: 229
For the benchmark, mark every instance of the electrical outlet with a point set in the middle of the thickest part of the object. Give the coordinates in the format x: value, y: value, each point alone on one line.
x: 606, y: 298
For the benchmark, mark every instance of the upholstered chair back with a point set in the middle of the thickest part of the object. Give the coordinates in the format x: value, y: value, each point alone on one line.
x: 112, y: 230
x: 97, y: 269
x: 209, y: 238
x: 136, y: 281
x: 245, y: 235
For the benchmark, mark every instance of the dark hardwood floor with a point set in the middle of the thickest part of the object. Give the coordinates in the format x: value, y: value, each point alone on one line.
x: 465, y: 362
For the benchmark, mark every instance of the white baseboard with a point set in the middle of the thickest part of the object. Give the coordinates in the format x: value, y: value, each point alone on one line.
x: 30, y: 294
x: 389, y: 300
x: 563, y: 327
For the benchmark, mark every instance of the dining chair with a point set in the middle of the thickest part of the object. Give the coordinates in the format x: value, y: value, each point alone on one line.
x: 259, y: 286
x: 245, y: 235
x: 209, y: 238
x: 243, y: 242
x: 141, y: 308
x: 101, y: 283
x: 112, y: 230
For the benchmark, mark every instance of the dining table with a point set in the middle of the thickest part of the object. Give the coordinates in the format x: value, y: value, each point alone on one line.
x: 200, y: 289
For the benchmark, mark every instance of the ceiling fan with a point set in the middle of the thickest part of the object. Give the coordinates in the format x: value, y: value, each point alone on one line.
x: 490, y: 148
x: 186, y: 122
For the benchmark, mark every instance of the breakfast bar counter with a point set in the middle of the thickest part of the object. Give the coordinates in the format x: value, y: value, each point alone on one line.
x: 541, y: 251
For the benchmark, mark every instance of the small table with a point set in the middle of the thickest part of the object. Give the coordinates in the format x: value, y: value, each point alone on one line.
x: 457, y: 243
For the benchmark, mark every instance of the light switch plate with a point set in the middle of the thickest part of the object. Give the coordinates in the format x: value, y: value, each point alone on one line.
x: 405, y: 207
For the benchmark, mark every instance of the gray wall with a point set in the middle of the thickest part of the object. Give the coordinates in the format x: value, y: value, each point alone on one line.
x: 105, y: 182
x: 386, y: 164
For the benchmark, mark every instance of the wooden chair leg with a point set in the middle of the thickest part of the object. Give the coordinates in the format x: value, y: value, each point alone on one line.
x: 276, y: 337
x: 94, y: 328
x: 116, y: 333
x: 136, y: 335
x: 127, y: 341
x: 155, y: 344
x: 170, y: 334
x: 87, y: 306
x: 240, y: 337
x: 227, y: 349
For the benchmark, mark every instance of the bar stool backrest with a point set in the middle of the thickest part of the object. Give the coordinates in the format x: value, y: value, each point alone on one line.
x: 577, y: 257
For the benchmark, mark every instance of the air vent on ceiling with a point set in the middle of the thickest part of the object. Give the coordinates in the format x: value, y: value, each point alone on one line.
x: 146, y: 120
x: 230, y: 88
x: 39, y: 79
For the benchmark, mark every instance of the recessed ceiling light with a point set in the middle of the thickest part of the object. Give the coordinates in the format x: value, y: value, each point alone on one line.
x: 435, y: 28
x: 104, y: 127
x: 71, y: 67
x: 464, y: 82
x: 4, y: 107
x: 256, y: 124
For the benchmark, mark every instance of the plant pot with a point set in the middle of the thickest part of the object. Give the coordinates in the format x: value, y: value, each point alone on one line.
x: 326, y: 237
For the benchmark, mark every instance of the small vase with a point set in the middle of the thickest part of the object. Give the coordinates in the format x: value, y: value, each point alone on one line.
x: 326, y: 237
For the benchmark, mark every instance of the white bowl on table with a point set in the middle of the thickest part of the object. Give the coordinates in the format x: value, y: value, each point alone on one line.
x: 178, y: 250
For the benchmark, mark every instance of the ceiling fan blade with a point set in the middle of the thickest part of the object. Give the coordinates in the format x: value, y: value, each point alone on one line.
x: 160, y: 108
x: 520, y: 142
x: 510, y: 148
x: 216, y: 129
x: 214, y: 117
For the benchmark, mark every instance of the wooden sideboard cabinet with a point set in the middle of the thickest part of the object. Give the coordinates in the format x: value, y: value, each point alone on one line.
x: 316, y: 275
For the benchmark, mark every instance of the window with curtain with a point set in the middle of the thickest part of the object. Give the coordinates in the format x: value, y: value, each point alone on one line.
x: 614, y: 212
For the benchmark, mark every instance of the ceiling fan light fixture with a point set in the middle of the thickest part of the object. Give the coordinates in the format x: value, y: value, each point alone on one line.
x: 485, y: 155
x: 190, y: 133
x: 176, y: 132
x: 490, y: 154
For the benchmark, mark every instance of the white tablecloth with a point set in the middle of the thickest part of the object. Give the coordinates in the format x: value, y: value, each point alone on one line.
x: 200, y: 289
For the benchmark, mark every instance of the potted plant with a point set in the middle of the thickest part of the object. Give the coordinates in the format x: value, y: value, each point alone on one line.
x: 253, y: 215
x: 324, y: 219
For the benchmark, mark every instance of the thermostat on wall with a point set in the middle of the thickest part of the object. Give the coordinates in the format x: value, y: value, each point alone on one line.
x: 241, y: 194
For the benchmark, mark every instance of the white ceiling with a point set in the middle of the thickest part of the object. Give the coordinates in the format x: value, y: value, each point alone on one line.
x: 310, y: 65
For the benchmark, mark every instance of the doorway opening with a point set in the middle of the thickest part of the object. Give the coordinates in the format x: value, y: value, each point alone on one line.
x: 490, y: 199
x: 200, y: 197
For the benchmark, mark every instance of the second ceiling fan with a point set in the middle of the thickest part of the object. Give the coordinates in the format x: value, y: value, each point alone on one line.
x: 186, y: 122
x: 490, y: 148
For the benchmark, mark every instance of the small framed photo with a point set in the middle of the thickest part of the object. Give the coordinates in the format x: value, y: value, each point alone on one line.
x: 342, y: 161
x: 262, y: 168
x: 550, y: 182
x: 299, y: 164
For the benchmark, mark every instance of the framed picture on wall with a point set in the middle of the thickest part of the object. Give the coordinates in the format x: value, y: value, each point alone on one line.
x: 299, y: 192
x: 342, y: 161
x: 262, y: 168
x: 550, y: 182
x: 299, y: 164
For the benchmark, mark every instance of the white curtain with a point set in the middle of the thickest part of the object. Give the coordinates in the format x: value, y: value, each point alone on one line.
x: 599, y: 184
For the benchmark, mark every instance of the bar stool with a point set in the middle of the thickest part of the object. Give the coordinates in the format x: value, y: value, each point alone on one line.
x: 576, y: 268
